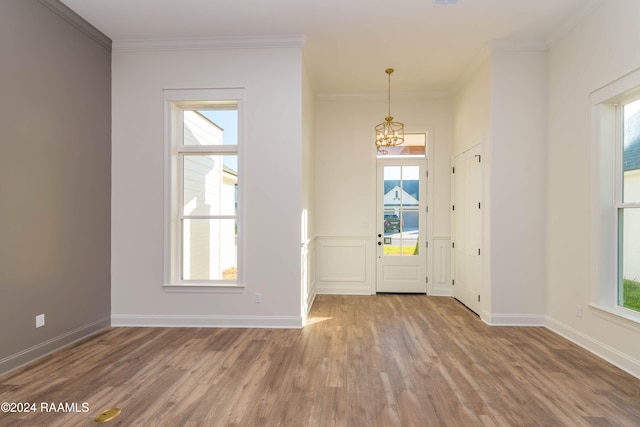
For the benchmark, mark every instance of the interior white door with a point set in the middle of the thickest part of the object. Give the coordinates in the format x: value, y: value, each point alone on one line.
x: 467, y: 228
x: 401, y: 226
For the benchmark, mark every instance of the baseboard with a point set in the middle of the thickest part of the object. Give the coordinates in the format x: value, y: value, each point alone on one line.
x: 347, y: 290
x: 441, y: 292
x: 600, y: 349
x: 513, y: 319
x: 45, y: 348
x: 187, y: 321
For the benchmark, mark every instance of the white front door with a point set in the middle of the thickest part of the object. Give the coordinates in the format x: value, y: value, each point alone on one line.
x: 401, y: 226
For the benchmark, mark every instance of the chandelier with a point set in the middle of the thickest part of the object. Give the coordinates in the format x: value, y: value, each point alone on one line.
x: 389, y: 133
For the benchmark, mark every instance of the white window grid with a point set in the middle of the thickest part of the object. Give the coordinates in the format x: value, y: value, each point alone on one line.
x: 176, y: 102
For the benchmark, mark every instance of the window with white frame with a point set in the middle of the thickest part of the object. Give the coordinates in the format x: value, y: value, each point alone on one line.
x: 202, y: 164
x: 617, y: 207
x: 628, y: 202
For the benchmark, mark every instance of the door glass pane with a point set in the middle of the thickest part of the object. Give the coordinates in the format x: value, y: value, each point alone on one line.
x: 209, y: 249
x: 629, y: 258
x: 401, y: 213
x: 209, y: 185
x: 631, y: 153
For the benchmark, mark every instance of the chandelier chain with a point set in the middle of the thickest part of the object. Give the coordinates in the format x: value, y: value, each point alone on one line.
x: 389, y: 133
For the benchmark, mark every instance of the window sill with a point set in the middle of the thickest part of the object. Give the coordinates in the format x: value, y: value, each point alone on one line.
x: 216, y: 288
x: 623, y: 317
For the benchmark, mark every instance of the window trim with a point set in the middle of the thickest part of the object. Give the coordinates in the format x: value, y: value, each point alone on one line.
x: 176, y: 100
x: 606, y: 186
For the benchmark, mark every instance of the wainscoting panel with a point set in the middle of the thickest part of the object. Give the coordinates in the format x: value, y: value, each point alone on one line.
x: 441, y: 274
x: 344, y: 265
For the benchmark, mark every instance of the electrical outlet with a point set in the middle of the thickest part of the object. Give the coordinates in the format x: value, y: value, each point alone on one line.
x: 578, y: 310
x: 39, y: 320
x: 258, y: 298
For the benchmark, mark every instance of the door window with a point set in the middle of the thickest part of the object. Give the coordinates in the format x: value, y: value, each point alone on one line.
x: 401, y: 210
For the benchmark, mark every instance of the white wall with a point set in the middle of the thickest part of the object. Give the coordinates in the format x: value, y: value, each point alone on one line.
x: 270, y: 181
x: 602, y: 48
x: 346, y: 186
x: 308, y: 234
x: 502, y: 105
x: 472, y: 126
x: 518, y: 167
x: 472, y: 118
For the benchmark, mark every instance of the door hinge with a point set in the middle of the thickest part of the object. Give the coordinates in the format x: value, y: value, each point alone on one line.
x: 453, y: 282
x: 427, y: 174
x: 453, y: 169
x: 478, y: 251
x: 426, y: 243
x: 426, y: 279
x: 453, y: 207
x: 478, y: 298
x: 478, y: 205
x: 453, y: 244
x: 427, y: 209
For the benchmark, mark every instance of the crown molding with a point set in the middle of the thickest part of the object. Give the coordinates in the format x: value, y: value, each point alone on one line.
x: 77, y: 21
x: 264, y: 42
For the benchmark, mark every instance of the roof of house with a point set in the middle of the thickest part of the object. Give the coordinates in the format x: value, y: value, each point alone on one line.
x: 409, y: 186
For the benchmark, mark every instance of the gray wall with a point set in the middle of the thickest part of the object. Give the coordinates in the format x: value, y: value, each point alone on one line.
x: 55, y: 160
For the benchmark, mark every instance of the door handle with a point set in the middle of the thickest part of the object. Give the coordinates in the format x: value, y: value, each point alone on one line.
x: 379, y: 235
x: 379, y: 243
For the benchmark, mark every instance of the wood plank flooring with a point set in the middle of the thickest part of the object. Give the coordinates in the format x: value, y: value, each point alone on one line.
x: 383, y: 361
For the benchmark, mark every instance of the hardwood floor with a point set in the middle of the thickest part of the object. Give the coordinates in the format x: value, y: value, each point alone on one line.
x: 362, y: 361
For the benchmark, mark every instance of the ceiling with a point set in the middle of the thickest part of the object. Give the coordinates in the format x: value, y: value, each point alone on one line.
x: 349, y: 43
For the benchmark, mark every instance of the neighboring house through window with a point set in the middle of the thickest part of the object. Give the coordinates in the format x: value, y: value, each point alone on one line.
x: 202, y: 182
x: 628, y: 204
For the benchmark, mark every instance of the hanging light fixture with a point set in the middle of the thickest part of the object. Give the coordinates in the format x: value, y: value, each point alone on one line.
x: 389, y: 133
